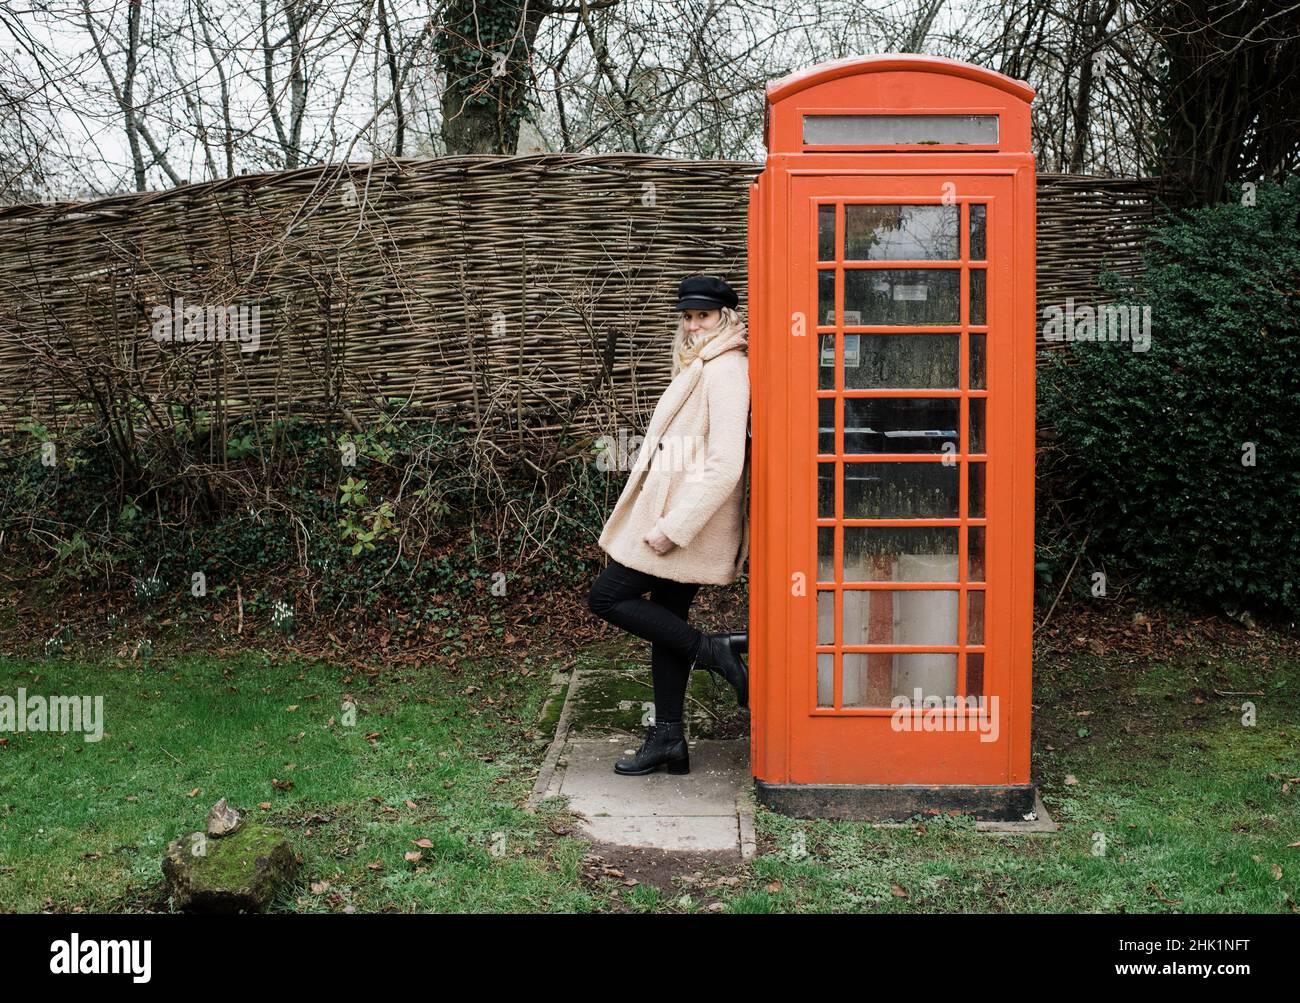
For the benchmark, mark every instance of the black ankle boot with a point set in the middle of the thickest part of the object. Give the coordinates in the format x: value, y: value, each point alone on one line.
x: 720, y: 654
x: 664, y: 745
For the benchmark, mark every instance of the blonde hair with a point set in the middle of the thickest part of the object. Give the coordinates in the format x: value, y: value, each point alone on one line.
x: 684, y: 350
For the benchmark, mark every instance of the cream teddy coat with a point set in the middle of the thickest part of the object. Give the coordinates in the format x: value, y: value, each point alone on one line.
x: 688, y: 479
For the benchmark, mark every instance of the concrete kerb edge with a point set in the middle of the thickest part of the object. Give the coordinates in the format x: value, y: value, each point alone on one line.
x: 745, y: 819
x: 553, y: 752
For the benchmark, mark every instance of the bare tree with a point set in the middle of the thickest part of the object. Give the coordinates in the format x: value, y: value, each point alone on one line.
x: 1229, y: 96
x: 120, y: 94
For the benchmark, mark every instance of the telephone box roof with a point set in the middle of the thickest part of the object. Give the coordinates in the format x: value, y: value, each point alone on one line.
x: 793, y: 83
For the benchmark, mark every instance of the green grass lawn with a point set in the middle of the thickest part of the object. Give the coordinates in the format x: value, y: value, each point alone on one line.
x: 1165, y: 805
x: 428, y: 758
x: 1168, y: 803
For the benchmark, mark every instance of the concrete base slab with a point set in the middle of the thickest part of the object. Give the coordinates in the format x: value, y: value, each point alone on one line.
x: 665, y: 832
x: 700, y: 810
x: 1040, y: 822
x: 709, y: 809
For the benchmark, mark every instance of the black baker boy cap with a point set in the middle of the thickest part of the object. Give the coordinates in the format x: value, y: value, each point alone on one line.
x: 704, y: 292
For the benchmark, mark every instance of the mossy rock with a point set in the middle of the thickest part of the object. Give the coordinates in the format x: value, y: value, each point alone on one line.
x: 237, y: 873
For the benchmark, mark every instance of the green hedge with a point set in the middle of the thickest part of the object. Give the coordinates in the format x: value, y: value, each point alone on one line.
x: 1149, y: 445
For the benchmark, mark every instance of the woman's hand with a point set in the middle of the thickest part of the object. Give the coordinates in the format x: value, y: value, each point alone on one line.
x: 659, y: 543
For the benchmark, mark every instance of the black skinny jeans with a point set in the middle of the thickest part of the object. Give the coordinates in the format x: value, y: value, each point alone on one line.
x: 616, y: 596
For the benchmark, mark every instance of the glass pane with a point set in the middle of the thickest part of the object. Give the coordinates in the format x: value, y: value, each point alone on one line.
x: 826, y: 553
x: 901, y: 361
x: 867, y: 675
x: 868, y: 680
x: 974, y: 619
x: 825, y: 617
x: 900, y: 424
x: 978, y: 361
x: 902, y: 232
x: 922, y: 616
x: 900, y: 553
x: 893, y: 130
x: 826, y: 490
x: 977, y: 296
x: 825, y: 679
x: 977, y: 405
x: 826, y: 296
x: 974, y: 554
x: 978, y: 216
x: 901, y: 296
x: 826, y: 366
x: 975, y: 674
x: 826, y: 425
x: 826, y: 233
x: 976, y: 489
x: 900, y: 491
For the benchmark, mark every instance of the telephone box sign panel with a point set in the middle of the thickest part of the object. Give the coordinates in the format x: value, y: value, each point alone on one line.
x: 891, y: 288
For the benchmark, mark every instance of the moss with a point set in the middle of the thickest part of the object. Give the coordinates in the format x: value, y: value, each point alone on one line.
x: 231, y: 860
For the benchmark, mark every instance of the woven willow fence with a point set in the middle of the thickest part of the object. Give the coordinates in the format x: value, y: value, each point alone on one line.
x: 528, y: 293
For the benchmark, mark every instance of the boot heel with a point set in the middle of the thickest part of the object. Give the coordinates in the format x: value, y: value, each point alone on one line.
x: 680, y: 766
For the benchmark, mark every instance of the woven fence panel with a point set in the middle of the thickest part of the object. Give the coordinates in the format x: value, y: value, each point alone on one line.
x: 532, y: 293
x: 1087, y: 225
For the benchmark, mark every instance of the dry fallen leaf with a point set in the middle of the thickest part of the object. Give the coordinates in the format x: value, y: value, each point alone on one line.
x: 1070, y: 780
x: 414, y: 855
x: 899, y: 891
x: 282, y: 785
x: 425, y: 844
x: 410, y: 803
x: 319, y: 886
x: 264, y: 805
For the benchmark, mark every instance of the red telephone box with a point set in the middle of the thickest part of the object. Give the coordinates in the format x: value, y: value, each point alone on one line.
x: 891, y: 300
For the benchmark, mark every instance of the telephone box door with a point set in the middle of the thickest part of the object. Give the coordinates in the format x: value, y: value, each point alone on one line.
x: 901, y: 448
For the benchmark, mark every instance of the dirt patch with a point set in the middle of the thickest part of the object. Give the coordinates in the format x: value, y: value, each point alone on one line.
x: 700, y: 874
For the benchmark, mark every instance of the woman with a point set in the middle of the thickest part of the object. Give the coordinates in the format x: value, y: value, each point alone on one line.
x: 681, y: 519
